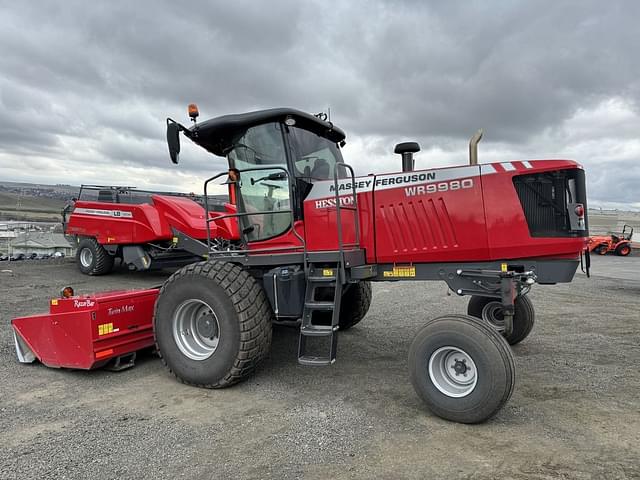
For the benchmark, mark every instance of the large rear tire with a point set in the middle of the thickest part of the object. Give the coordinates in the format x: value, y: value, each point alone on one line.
x: 355, y: 304
x: 462, y: 369
x: 92, y: 258
x: 623, y: 250
x: 490, y: 310
x: 212, y: 324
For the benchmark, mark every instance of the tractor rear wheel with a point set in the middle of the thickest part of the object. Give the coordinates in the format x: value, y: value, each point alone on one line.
x: 462, y: 369
x: 490, y: 310
x: 92, y: 258
x: 355, y: 304
x: 623, y: 250
x: 212, y: 324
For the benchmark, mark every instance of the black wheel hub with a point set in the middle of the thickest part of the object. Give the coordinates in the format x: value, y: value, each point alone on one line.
x: 460, y: 367
x: 207, y: 326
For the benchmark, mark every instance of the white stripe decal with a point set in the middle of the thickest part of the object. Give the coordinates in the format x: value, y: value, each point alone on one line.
x: 527, y: 164
x: 97, y: 212
x: 508, y: 166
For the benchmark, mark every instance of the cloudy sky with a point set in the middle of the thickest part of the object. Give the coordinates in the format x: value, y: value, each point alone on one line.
x: 85, y: 87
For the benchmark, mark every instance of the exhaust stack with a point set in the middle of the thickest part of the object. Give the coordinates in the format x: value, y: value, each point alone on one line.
x: 473, y: 147
x: 407, y: 149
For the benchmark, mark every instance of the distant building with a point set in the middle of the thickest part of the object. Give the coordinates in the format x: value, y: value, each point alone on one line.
x: 6, y: 237
x: 41, y: 243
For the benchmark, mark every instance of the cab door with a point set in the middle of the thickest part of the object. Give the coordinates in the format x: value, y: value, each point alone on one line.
x: 263, y: 193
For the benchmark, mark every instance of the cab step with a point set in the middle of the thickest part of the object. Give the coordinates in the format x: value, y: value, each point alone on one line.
x: 316, y: 336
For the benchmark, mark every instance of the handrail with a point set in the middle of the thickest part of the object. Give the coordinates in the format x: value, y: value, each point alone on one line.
x: 338, y: 208
x: 290, y: 211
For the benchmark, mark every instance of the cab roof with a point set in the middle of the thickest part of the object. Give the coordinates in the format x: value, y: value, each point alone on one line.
x: 216, y: 134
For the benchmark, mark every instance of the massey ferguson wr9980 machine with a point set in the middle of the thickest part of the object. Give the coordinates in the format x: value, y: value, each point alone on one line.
x: 302, y: 238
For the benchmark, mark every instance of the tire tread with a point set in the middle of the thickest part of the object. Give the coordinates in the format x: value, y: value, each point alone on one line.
x: 502, y: 347
x: 103, y: 260
x: 254, y: 314
x: 355, y: 304
x: 524, y: 315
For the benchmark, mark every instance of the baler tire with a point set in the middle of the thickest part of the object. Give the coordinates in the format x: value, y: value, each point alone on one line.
x: 242, y: 313
x: 461, y: 339
x: 623, y: 250
x: 101, y: 262
x: 355, y: 304
x: 523, y: 318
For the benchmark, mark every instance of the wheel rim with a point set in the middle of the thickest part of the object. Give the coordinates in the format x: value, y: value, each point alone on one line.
x: 492, y: 312
x: 453, y: 372
x: 86, y: 257
x: 625, y: 250
x: 196, y: 329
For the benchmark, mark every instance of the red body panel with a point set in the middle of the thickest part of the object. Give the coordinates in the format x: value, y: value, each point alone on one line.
x: 183, y: 214
x: 508, y: 234
x: 122, y: 223
x: 466, y: 213
x: 413, y: 226
x: 118, y: 223
x: 86, y: 332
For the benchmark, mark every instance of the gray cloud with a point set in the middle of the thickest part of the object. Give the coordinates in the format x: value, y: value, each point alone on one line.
x: 86, y: 86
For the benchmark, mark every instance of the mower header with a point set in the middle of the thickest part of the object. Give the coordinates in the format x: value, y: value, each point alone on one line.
x: 88, y: 331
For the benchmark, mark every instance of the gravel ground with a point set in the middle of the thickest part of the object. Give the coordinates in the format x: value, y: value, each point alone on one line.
x: 575, y: 412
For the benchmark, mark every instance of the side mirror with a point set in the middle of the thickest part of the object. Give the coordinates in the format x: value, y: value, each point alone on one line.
x: 173, y: 140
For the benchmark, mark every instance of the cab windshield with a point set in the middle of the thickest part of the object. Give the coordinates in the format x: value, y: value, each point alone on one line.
x: 315, y: 157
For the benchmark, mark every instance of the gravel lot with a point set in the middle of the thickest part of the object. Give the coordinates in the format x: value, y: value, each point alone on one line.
x: 575, y: 412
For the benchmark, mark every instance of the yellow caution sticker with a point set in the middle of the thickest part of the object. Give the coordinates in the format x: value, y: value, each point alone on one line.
x: 54, y: 301
x: 175, y: 240
x: 105, y: 328
x: 503, y: 267
x: 327, y: 272
x: 400, y: 271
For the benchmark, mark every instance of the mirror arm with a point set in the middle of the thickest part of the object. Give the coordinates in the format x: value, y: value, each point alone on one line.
x: 181, y: 127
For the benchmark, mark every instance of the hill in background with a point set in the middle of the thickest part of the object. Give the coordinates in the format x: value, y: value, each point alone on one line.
x: 32, y: 202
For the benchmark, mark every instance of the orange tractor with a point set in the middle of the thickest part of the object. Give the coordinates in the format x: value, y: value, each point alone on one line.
x: 620, y: 243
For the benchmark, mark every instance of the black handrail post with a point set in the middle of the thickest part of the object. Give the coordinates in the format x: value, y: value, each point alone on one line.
x: 338, y: 214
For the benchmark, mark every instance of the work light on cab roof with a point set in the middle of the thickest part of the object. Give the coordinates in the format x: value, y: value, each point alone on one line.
x: 193, y: 112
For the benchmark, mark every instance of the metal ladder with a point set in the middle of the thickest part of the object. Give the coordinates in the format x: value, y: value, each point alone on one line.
x: 321, y: 277
x: 334, y: 276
